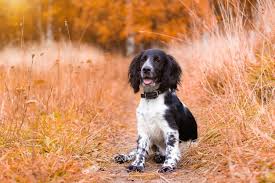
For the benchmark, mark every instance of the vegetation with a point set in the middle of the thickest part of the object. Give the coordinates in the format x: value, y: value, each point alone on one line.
x: 111, y: 25
x: 66, y: 109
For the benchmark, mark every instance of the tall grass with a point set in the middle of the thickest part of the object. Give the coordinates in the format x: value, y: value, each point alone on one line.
x: 231, y: 73
x: 56, y: 120
x: 65, y: 110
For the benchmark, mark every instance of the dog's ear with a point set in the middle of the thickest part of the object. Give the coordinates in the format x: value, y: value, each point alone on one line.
x: 134, y: 72
x: 172, y: 73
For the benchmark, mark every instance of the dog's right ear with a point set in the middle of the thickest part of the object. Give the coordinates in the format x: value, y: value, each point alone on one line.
x: 134, y: 72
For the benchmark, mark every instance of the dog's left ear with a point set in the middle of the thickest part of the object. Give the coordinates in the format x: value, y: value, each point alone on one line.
x: 173, y: 72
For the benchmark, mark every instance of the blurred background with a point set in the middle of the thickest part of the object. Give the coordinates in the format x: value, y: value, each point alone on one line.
x: 126, y: 26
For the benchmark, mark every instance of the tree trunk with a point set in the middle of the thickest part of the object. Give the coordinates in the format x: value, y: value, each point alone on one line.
x: 39, y: 21
x: 49, y: 35
x: 130, y: 41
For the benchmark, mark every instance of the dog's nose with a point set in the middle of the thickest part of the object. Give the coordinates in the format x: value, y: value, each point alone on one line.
x: 146, y: 70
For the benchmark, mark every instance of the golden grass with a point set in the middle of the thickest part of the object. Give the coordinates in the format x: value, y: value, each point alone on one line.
x: 65, y: 121
x: 233, y: 78
x: 57, y: 122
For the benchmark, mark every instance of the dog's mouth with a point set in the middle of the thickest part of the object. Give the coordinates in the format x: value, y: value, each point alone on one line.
x: 148, y: 81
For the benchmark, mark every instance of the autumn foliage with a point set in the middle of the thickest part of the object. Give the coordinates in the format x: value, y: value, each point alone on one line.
x: 110, y: 24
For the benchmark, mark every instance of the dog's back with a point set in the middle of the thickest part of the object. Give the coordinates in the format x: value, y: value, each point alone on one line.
x: 184, y: 120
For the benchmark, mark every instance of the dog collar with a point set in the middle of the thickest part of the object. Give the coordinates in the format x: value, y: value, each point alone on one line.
x: 151, y: 95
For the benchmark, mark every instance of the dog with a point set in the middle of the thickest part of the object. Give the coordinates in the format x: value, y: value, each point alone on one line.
x: 163, y: 122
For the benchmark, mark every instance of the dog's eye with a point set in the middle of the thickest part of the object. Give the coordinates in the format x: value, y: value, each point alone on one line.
x: 144, y: 59
x: 156, y: 59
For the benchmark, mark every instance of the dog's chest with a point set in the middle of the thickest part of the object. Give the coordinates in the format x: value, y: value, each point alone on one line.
x: 150, y: 117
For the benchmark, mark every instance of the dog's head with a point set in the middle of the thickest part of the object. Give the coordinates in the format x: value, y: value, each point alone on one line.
x: 154, y: 69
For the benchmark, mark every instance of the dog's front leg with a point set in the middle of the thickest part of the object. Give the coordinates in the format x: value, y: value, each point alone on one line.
x: 143, y: 144
x: 172, y: 154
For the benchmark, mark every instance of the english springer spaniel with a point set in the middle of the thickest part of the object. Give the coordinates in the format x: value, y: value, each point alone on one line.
x: 163, y: 122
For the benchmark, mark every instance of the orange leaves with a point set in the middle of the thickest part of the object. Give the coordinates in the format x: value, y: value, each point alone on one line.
x: 109, y: 23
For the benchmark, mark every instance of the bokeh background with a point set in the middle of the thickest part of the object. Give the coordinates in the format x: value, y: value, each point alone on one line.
x: 126, y: 26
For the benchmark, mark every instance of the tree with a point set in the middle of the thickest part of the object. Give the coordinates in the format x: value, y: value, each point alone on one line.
x: 49, y: 36
x: 124, y: 25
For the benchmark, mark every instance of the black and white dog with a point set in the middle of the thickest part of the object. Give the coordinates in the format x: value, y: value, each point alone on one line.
x: 163, y: 122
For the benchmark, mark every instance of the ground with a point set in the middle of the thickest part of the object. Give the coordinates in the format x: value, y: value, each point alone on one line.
x: 65, y: 123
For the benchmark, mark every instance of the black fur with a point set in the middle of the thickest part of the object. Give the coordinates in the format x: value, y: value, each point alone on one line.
x: 171, y: 140
x: 179, y: 117
x: 155, y: 70
x: 171, y: 74
x: 134, y: 72
x: 159, y: 158
x: 167, y: 71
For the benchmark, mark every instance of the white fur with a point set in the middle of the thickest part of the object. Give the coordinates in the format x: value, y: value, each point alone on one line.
x: 152, y: 124
x: 153, y: 129
x: 150, y: 119
x: 148, y: 63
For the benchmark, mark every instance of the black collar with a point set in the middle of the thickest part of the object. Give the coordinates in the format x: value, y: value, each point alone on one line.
x: 151, y: 95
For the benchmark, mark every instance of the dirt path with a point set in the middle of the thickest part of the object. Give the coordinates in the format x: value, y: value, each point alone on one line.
x: 117, y: 172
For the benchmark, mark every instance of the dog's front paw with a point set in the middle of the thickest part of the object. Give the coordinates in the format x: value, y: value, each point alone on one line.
x: 135, y: 168
x: 120, y: 158
x: 165, y: 169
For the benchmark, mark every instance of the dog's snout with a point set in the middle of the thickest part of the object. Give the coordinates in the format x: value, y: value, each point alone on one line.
x: 146, y: 70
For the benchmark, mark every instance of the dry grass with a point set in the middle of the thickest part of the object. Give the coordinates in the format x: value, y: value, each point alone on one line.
x: 63, y: 119
x: 58, y: 121
x: 233, y: 78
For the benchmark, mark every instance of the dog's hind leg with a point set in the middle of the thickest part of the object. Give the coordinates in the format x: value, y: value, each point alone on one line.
x: 159, y: 155
x: 172, y: 155
x: 123, y: 158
